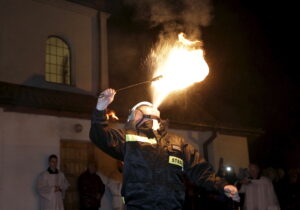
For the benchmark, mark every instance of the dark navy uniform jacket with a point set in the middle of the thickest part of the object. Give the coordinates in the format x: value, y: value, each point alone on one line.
x: 155, y: 164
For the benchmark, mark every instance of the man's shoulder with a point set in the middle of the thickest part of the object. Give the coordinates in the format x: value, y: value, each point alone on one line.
x: 84, y: 176
x: 175, y: 138
x: 265, y: 179
x: 61, y: 172
x: 43, y: 173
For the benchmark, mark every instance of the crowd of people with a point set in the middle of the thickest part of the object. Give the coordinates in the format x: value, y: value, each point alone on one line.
x: 52, y: 185
x: 162, y: 171
x: 265, y: 188
x: 259, y: 189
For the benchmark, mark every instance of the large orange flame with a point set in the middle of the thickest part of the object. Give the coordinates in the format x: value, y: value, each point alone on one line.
x: 181, y: 64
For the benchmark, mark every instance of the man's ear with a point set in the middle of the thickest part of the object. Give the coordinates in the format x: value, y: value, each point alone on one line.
x: 138, y: 114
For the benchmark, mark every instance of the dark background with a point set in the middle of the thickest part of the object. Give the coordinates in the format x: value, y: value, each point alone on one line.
x: 250, y: 47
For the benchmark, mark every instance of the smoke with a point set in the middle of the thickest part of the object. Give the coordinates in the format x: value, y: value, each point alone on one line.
x: 170, y: 17
x: 174, y: 15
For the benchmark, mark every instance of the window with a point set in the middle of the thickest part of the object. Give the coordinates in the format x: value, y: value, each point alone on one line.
x: 58, y: 69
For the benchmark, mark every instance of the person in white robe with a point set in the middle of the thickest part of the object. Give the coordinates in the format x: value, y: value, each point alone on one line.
x: 112, y: 198
x: 114, y: 184
x: 259, y: 191
x: 51, y: 186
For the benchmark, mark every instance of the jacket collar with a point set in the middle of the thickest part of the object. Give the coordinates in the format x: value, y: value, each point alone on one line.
x: 51, y: 171
x: 147, y: 131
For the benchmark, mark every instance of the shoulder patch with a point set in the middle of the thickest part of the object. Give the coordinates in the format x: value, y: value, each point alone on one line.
x: 176, y: 161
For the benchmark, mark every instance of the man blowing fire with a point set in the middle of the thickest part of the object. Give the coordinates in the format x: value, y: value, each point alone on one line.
x: 155, y: 161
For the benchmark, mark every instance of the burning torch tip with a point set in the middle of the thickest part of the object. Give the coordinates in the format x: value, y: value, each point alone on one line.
x: 157, y: 78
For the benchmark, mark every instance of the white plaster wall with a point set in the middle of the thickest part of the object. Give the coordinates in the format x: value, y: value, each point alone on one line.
x: 26, y: 142
x: 233, y: 149
x: 195, y: 138
x: 25, y: 27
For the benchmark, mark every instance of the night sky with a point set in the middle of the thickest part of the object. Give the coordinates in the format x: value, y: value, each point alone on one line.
x: 251, y: 50
x: 258, y: 74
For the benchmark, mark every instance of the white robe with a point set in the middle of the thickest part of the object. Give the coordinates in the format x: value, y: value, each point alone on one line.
x: 260, y: 195
x: 115, y: 189
x: 112, y: 193
x: 49, y: 199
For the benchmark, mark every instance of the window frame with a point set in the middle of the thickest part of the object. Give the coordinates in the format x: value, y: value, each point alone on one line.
x: 70, y: 72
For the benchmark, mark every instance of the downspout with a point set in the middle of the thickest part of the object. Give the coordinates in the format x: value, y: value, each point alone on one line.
x: 208, y: 142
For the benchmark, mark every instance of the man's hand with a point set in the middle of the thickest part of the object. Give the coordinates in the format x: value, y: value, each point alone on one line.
x: 232, y: 192
x: 105, y: 98
x: 245, y: 181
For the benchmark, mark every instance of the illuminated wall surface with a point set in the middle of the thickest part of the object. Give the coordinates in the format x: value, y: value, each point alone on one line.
x: 25, y: 27
x: 233, y: 149
x: 26, y: 140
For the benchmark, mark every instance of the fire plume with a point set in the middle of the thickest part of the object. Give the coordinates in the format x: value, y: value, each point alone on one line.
x: 181, y: 64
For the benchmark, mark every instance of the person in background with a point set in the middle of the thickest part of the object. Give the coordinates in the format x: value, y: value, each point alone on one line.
x: 291, y: 190
x: 226, y: 172
x: 51, y: 186
x: 155, y: 161
x: 258, y: 190
x: 114, y: 183
x: 91, y: 188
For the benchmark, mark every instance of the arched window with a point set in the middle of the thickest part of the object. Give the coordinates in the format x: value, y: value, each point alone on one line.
x: 58, y: 56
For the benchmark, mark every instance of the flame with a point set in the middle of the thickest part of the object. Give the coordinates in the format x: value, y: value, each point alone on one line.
x: 112, y: 115
x: 181, y: 64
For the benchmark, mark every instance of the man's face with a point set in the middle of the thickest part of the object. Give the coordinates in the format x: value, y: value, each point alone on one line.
x: 53, y: 163
x: 146, y: 110
x: 253, y: 171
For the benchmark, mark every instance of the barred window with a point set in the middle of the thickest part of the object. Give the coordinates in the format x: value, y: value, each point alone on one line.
x: 58, y: 69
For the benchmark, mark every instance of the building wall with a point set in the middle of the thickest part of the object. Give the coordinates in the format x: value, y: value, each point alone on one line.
x: 25, y: 27
x: 233, y: 149
x: 26, y: 142
x: 195, y: 138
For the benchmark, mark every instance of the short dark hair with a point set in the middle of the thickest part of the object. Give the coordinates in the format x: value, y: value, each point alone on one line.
x: 52, y: 156
x: 257, y: 165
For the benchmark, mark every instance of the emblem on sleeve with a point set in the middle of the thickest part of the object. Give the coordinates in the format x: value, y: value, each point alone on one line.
x: 176, y: 161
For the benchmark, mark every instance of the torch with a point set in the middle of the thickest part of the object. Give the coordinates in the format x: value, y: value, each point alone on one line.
x: 111, y: 113
x: 136, y: 84
x: 140, y: 83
